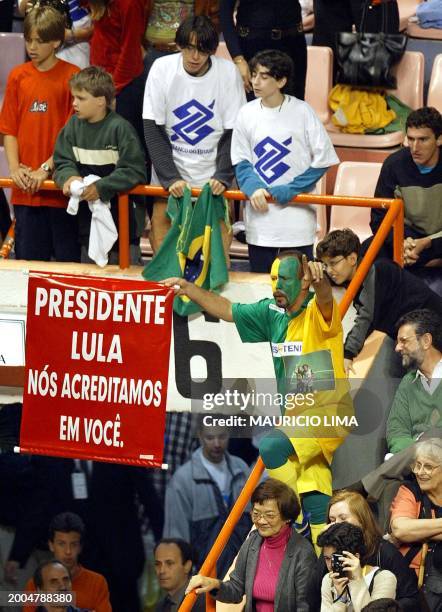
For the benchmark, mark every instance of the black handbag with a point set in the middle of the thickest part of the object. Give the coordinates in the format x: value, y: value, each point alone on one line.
x: 365, y: 59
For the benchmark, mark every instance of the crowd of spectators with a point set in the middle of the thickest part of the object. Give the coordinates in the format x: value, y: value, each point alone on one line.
x: 157, y: 105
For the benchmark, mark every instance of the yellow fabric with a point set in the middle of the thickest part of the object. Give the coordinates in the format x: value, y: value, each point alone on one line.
x: 318, y: 335
x: 315, y: 333
x: 312, y: 468
x: 316, y: 530
x: 314, y: 445
x: 357, y: 110
x: 288, y: 474
x: 307, y: 469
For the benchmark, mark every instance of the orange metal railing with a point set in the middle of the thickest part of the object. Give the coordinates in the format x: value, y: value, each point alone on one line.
x: 395, y: 215
x: 393, y: 219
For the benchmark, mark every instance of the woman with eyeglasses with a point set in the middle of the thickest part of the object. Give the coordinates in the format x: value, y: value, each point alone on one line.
x: 274, y: 563
x: 353, y: 508
x: 416, y: 520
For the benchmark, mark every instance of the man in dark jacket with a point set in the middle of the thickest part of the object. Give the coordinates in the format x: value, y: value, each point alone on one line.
x: 414, y: 173
x: 201, y: 494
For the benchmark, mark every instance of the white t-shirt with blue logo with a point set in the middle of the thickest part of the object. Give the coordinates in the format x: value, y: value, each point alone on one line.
x: 281, y: 143
x: 195, y: 111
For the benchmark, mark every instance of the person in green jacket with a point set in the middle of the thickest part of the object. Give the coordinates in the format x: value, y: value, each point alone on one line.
x: 98, y: 141
x: 416, y: 411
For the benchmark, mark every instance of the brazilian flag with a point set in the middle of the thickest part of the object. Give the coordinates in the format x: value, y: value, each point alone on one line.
x: 193, y: 247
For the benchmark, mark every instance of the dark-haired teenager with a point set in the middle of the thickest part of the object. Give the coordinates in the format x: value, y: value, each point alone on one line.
x: 387, y: 292
x: 279, y: 149
x: 350, y: 507
x: 191, y: 102
x: 355, y: 584
x: 66, y: 535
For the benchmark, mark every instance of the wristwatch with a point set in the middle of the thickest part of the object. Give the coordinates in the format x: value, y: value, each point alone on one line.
x: 46, y: 167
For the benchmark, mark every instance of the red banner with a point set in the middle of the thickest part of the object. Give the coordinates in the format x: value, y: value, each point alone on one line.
x: 97, y: 362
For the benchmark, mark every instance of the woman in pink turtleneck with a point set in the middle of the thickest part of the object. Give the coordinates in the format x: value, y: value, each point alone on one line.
x: 274, y: 563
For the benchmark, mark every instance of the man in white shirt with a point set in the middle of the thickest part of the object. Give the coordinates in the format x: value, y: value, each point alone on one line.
x: 191, y: 102
x: 279, y: 149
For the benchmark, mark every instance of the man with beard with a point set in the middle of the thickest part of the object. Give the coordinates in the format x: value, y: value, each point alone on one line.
x: 417, y: 405
x: 416, y: 411
x: 302, y: 328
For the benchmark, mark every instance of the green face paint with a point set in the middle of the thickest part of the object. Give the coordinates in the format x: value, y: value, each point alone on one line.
x: 286, y: 285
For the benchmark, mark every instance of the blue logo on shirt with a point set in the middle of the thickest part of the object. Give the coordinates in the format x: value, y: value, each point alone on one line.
x: 270, y: 153
x: 194, y: 126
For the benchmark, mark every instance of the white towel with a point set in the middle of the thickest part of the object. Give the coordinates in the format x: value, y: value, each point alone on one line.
x: 103, y: 232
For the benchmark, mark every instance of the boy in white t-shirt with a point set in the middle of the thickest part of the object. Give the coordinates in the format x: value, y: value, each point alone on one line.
x: 279, y: 149
x: 191, y: 102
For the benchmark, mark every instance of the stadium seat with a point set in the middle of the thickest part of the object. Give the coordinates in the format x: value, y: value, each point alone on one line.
x: 410, y: 90
x: 354, y: 179
x: 415, y: 31
x: 435, y: 88
x: 407, y: 8
x: 12, y: 52
x: 319, y: 80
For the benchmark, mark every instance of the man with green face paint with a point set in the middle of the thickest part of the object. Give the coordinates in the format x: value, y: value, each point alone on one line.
x: 306, y: 338
x: 286, y: 284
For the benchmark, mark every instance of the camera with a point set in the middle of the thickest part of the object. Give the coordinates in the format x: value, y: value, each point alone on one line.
x: 337, y: 564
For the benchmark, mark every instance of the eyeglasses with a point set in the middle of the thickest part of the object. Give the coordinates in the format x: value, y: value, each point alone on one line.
x: 425, y: 468
x: 404, y: 339
x: 332, y: 264
x: 268, y: 516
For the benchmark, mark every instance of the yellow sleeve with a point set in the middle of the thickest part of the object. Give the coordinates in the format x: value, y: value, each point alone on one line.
x: 329, y: 330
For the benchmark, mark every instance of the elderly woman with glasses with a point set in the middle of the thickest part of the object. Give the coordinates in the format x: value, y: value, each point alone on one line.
x: 274, y: 563
x: 416, y: 520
